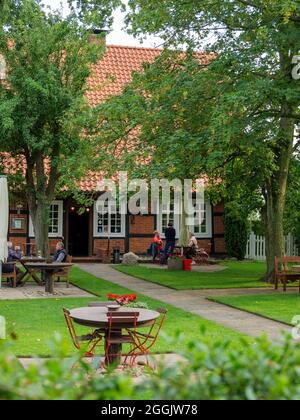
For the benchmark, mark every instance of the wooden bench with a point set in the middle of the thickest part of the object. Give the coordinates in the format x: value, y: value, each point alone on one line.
x: 284, y: 273
x: 12, y: 276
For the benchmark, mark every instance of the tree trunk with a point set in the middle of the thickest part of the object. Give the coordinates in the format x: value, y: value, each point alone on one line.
x: 40, y: 220
x: 40, y: 193
x: 273, y: 213
x: 275, y: 247
x: 267, y: 215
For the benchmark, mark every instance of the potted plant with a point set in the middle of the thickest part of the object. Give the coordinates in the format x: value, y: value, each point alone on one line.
x: 175, y: 263
x: 130, y: 301
x: 122, y: 300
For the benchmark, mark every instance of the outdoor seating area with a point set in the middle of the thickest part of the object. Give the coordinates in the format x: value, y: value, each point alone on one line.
x: 20, y: 269
x: 125, y: 334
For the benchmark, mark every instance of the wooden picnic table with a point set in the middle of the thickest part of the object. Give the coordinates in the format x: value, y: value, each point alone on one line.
x: 50, y: 269
x: 96, y: 317
x: 30, y: 272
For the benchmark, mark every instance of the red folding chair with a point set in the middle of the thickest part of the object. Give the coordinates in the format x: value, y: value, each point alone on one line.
x: 144, y: 342
x: 91, y: 340
x: 115, y: 339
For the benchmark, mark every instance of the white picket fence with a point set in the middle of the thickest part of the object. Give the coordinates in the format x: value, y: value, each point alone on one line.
x: 256, y: 247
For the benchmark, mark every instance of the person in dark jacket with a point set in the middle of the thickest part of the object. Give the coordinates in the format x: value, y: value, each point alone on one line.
x: 14, y: 254
x: 60, y: 255
x: 170, y: 235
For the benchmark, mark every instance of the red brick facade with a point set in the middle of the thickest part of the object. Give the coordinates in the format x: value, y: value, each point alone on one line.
x: 138, y: 237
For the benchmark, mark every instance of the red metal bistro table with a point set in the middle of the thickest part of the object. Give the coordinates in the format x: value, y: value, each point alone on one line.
x: 97, y: 318
x: 49, y: 270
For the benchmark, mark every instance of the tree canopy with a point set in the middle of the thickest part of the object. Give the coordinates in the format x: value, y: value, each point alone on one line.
x: 240, y: 114
x: 43, y: 109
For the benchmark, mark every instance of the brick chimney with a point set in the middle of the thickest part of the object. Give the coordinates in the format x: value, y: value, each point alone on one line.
x: 99, y: 36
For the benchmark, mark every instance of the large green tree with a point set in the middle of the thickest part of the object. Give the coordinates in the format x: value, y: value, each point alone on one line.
x: 43, y: 106
x: 97, y: 13
x: 258, y: 106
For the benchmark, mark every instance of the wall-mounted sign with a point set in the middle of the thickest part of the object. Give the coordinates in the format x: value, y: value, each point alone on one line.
x: 17, y: 223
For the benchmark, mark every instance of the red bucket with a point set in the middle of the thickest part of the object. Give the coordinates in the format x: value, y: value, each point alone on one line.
x: 187, y: 265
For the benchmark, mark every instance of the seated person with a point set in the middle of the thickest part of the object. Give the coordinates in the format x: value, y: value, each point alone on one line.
x: 156, y: 246
x: 192, y: 249
x: 14, y: 254
x: 60, y: 255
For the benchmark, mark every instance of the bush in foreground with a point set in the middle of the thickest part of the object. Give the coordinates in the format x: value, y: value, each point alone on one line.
x: 219, y: 371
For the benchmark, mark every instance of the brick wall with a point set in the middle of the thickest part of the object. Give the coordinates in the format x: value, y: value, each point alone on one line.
x: 139, y: 245
x: 141, y: 225
x: 219, y: 208
x: 103, y: 249
x: 206, y: 245
x: 218, y: 225
x: 220, y: 246
x: 101, y: 245
x: 218, y: 228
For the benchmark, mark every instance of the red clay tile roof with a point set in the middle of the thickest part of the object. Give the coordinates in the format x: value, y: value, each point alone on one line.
x: 109, y: 77
x: 114, y: 71
x: 90, y: 182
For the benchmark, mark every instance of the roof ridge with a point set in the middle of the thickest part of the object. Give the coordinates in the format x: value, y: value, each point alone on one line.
x: 129, y: 47
x: 154, y: 49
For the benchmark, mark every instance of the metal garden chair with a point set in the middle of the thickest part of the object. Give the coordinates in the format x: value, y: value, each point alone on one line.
x: 115, y: 339
x: 145, y: 341
x: 91, y: 340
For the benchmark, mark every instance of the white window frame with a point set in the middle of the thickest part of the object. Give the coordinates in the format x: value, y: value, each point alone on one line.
x: 208, y: 233
x: 97, y: 234
x: 60, y: 205
x: 177, y: 224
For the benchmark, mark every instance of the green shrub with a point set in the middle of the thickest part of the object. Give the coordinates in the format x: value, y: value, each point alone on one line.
x: 211, y: 371
x: 60, y: 378
x: 260, y: 371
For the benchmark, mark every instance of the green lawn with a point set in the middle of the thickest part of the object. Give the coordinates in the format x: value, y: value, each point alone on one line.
x: 36, y: 321
x: 237, y: 275
x: 281, y: 307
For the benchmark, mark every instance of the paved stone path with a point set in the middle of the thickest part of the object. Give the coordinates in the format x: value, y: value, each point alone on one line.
x: 34, y: 291
x: 195, y: 301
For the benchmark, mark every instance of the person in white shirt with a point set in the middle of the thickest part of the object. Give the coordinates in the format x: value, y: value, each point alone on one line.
x: 192, y: 249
